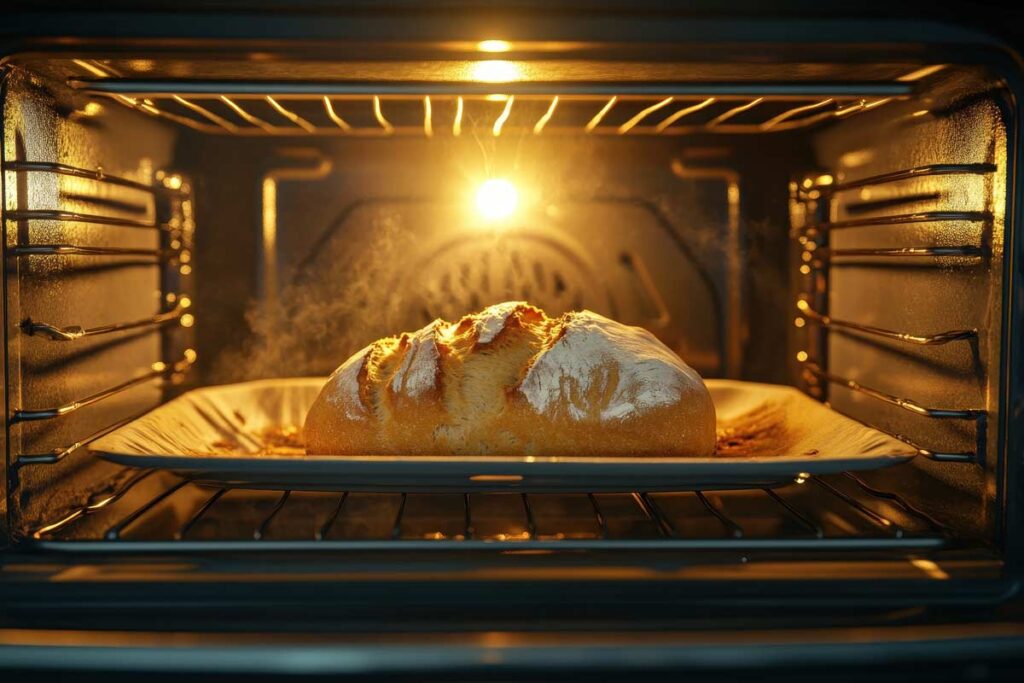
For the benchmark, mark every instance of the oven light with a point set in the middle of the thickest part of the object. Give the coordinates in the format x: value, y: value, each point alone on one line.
x: 494, y: 46
x: 496, y: 199
x: 494, y: 71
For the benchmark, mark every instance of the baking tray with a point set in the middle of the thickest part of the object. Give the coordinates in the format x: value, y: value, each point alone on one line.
x: 246, y: 435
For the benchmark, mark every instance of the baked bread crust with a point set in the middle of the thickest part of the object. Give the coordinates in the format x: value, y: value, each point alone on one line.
x: 511, y: 381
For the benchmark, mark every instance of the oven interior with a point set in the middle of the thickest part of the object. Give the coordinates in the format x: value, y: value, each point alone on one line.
x: 174, y: 221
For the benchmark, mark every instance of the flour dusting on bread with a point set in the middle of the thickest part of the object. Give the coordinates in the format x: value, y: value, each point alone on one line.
x: 344, y: 383
x: 490, y: 321
x: 601, y: 369
x: 418, y: 372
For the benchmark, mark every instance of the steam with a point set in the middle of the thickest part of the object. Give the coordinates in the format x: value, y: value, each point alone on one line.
x: 344, y: 301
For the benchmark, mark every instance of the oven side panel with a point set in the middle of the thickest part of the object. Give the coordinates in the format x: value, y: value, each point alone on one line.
x: 43, y: 124
x: 949, y: 230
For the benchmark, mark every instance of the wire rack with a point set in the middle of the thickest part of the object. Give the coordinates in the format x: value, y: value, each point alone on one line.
x: 816, y: 194
x: 152, y: 509
x: 173, y: 221
x: 431, y: 110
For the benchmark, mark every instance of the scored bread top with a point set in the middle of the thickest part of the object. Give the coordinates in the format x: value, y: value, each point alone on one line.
x: 511, y: 380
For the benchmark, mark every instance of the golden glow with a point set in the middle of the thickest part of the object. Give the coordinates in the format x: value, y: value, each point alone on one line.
x: 92, y: 108
x: 799, y: 322
x: 624, y: 128
x: 805, y: 270
x: 494, y: 71
x: 803, y: 305
x: 338, y: 121
x: 428, y: 123
x: 543, y: 121
x: 457, y: 125
x: 191, y: 355
x: 207, y: 114
x: 185, y: 302
x: 593, y: 123
x: 171, y: 297
x: 930, y: 568
x: 185, y: 270
x: 496, y: 98
x: 290, y: 115
x: 500, y: 121
x: 722, y: 118
x: 494, y: 46
x: 790, y: 113
x: 188, y: 320
x: 824, y: 180
x: 683, y: 112
x: 379, y: 115
x: 496, y: 199
x: 173, y: 182
x: 159, y: 366
x: 801, y: 356
x: 920, y: 112
x: 254, y: 120
x: 921, y: 73
x: 802, y: 477
x: 91, y: 68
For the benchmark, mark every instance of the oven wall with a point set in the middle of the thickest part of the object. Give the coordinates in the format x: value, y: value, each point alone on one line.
x: 42, y: 124
x: 963, y: 120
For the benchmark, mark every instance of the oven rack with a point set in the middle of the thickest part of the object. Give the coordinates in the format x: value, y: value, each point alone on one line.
x: 172, y: 210
x: 816, y: 193
x: 836, y: 512
x: 268, y: 109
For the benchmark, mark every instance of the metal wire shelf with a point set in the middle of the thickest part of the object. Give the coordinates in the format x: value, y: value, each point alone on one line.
x: 170, y: 197
x: 839, y: 512
x: 159, y: 370
x: 923, y: 340
x: 818, y: 257
x: 664, y: 109
x: 73, y: 332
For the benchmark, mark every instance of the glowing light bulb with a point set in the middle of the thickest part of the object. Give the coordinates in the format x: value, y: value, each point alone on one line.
x: 497, y: 199
x: 494, y: 46
x: 494, y: 71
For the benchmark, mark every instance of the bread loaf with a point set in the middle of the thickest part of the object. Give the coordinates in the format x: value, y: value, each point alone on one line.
x: 512, y: 381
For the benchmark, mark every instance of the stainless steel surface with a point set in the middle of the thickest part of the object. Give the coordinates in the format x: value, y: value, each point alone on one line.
x: 97, y: 240
x: 862, y: 291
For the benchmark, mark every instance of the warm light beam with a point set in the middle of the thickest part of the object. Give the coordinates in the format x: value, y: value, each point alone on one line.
x: 494, y: 46
x: 494, y: 71
x: 497, y: 199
